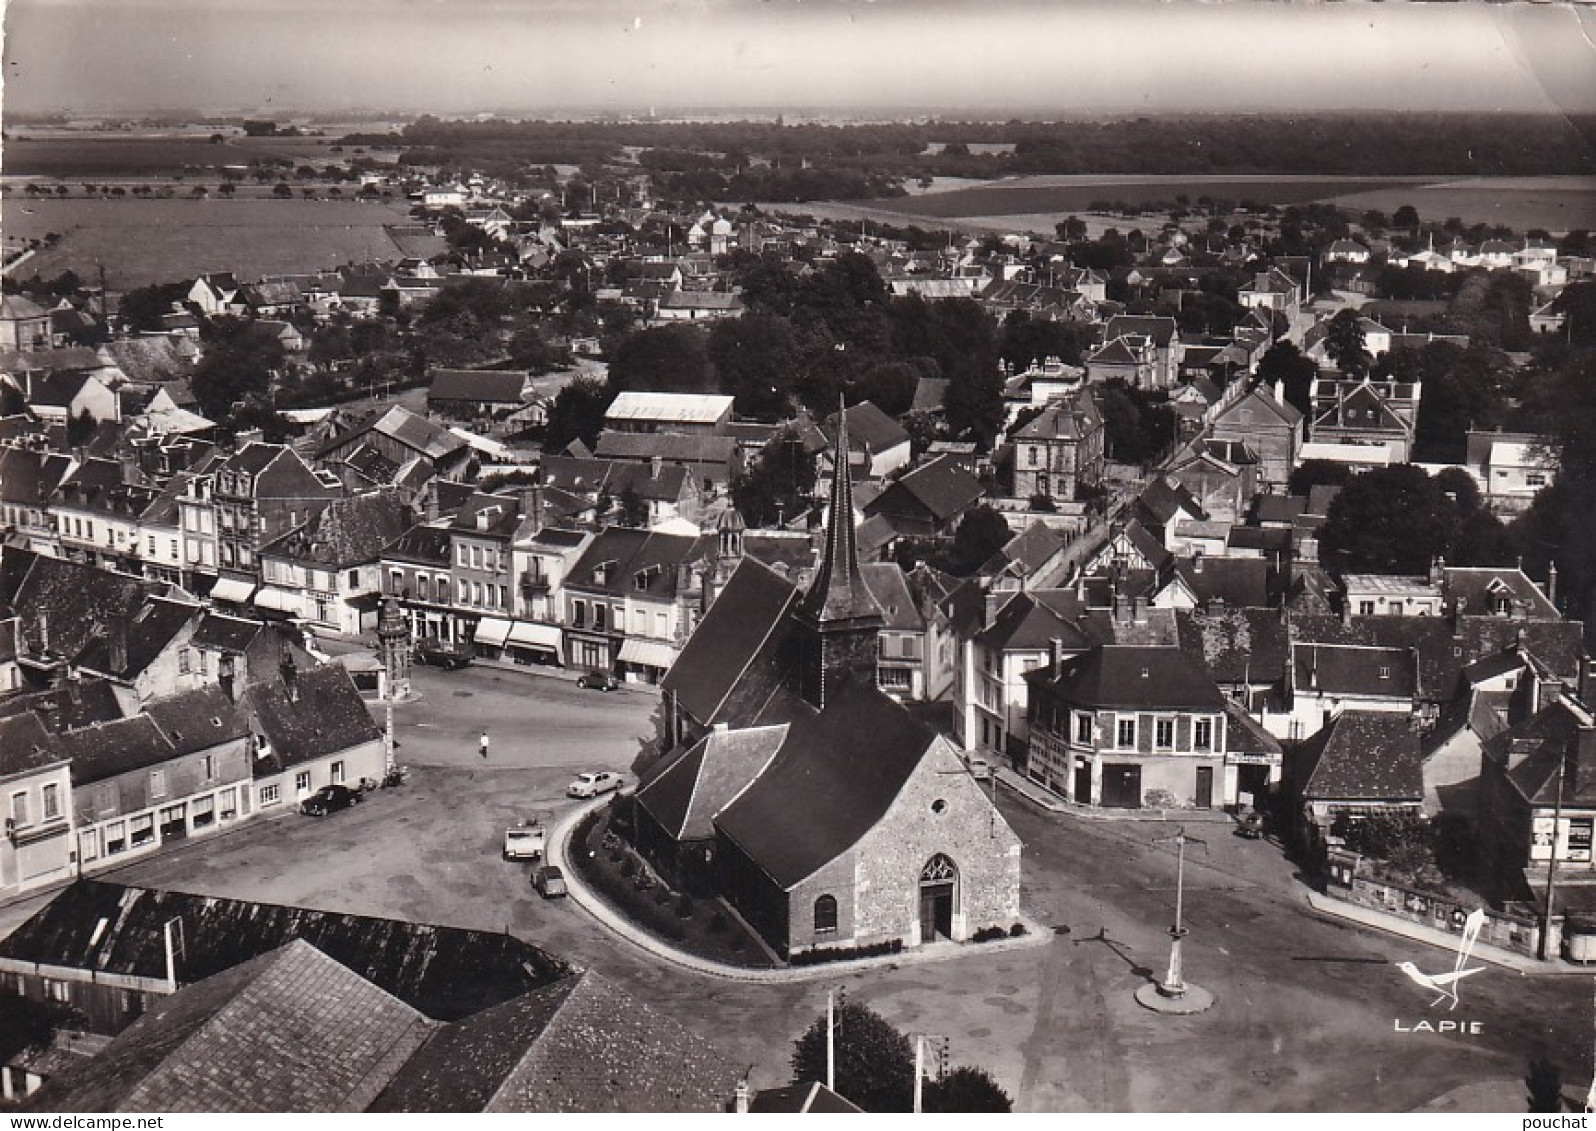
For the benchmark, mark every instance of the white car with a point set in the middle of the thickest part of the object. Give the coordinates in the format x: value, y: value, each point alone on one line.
x: 524, y: 841
x: 980, y: 769
x: 591, y: 785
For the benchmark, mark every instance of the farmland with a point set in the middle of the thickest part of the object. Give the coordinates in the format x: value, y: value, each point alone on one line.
x: 155, y: 241
x: 1037, y: 203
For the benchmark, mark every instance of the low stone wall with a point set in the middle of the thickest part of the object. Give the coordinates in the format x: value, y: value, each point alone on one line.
x: 1347, y: 882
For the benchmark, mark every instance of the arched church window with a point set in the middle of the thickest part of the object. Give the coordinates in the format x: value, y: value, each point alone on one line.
x: 826, y: 913
x: 939, y: 869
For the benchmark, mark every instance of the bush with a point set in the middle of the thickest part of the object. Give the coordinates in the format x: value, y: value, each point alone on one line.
x: 844, y: 953
x: 1017, y: 930
x: 628, y: 867
x: 663, y: 896
x: 990, y: 934
x: 718, y: 923
x: 684, y: 906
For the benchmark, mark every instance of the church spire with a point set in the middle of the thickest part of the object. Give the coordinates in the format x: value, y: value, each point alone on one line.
x: 839, y: 591
x: 839, y: 620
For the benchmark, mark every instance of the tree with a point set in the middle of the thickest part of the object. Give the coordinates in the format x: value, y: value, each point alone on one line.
x: 779, y: 485
x: 80, y: 429
x: 577, y: 413
x: 282, y: 190
x: 874, y: 1062
x: 966, y: 1090
x: 143, y: 308
x: 663, y: 359
x: 1139, y: 425
x: 226, y: 190
x: 1463, y: 390
x: 756, y: 362
x: 1405, y: 217
x: 980, y: 534
x: 1284, y: 364
x: 237, y: 364
x: 634, y: 511
x: 1343, y: 341
x: 1388, y: 520
x: 1313, y: 473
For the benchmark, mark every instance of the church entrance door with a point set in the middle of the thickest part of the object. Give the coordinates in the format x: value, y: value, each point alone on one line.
x: 938, y: 881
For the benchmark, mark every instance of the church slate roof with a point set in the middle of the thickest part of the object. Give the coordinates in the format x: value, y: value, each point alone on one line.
x: 739, y: 625
x: 833, y: 780
x: 685, y: 797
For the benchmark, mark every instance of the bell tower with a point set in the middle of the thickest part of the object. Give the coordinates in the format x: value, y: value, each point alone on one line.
x: 839, y: 621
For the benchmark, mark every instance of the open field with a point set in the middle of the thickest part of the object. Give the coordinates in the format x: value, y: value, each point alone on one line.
x: 115, y: 156
x: 156, y: 241
x: 1558, y: 204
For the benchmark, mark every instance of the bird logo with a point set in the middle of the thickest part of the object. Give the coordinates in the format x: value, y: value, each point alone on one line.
x: 1445, y: 984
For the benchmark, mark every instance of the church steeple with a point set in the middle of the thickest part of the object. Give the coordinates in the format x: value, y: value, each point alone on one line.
x: 841, y: 620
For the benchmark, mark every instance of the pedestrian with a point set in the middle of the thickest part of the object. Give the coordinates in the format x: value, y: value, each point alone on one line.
x: 484, y: 746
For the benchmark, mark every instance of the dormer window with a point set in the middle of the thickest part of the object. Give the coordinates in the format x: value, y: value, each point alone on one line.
x: 1385, y: 673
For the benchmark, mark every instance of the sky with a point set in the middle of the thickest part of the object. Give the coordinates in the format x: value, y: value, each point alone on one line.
x: 1031, y: 58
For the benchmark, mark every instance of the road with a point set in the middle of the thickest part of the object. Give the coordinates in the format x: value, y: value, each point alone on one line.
x: 1306, y: 1005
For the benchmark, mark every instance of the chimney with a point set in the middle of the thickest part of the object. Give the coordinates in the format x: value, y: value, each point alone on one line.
x: 1139, y: 607
x: 1056, y: 650
x: 1551, y: 583
x: 290, y: 673
x: 116, y: 644
x: 225, y: 678
x: 44, y: 634
x: 1346, y: 611
x: 1121, y: 608
x: 532, y: 506
x: 429, y: 495
x: 1437, y: 570
x: 656, y: 466
x: 740, y: 1100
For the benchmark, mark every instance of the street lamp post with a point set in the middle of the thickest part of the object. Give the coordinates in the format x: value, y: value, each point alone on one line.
x: 1174, y: 994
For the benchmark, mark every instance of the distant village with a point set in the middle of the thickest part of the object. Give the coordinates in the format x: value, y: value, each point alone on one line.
x: 1061, y: 498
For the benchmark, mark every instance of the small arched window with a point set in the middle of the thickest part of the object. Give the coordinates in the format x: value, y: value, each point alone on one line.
x: 826, y: 913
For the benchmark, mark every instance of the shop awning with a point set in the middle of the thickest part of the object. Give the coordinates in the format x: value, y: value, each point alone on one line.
x: 231, y: 589
x: 526, y: 634
x: 277, y: 600
x: 647, y: 653
x: 492, y: 632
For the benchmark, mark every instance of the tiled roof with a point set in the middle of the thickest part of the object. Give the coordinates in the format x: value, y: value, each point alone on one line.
x: 1363, y: 756
x: 28, y: 478
x: 492, y: 386
x: 347, y: 532
x: 1074, y: 419
x: 1229, y: 581
x: 1236, y: 644
x: 75, y: 602
x: 321, y: 714
x: 1554, y: 742
x: 225, y: 633
x: 1121, y: 676
x: 1161, y: 330
x: 425, y: 544
x: 292, y: 1030
x: 146, y: 634
x: 25, y: 745
x: 1029, y: 621
x: 889, y: 587
x: 581, y: 1045
x: 869, y: 429
x: 1332, y: 669
x: 1477, y: 590
x: 941, y: 486
x: 672, y: 447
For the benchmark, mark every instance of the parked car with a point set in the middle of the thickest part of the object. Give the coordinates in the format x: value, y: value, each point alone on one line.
x: 524, y: 841
x: 591, y: 785
x: 598, y: 681
x: 980, y: 768
x: 450, y: 657
x: 329, y: 799
x: 549, y: 881
x: 1250, y: 825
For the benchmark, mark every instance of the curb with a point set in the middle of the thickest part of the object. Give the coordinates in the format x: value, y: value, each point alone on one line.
x: 1390, y: 924
x: 555, y: 853
x: 1053, y: 804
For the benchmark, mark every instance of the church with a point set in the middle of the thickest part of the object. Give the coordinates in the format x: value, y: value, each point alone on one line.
x: 820, y: 808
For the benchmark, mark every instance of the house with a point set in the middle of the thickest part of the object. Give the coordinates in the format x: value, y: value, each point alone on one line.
x: 1326, y: 680
x: 28, y: 481
x: 98, y: 515
x: 879, y: 440
x: 417, y: 568
x: 1271, y: 428
x: 859, y: 797
x: 669, y: 412
x: 1345, y: 251
x: 1361, y: 764
x: 328, y: 570
x: 713, y: 461
x: 37, y: 849
x: 1272, y: 290
x: 1060, y: 454
x: 1129, y: 359
x: 1365, y: 414
x: 24, y: 324
x: 1221, y: 476
x: 400, y: 436
x: 630, y: 600
x: 1537, y: 797
x: 143, y: 654
x: 1158, y: 334
x: 311, y: 728
x: 1510, y: 467
x: 259, y: 493
x: 68, y: 394
x: 480, y: 535
x: 1379, y: 594
x: 928, y: 499
x: 214, y: 294
x: 1494, y: 692
x: 478, y: 394
x: 698, y: 306
x: 543, y: 556
x: 1128, y: 726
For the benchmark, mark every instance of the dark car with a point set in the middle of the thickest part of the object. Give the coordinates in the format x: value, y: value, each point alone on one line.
x: 329, y: 799
x: 598, y: 681
x: 450, y: 657
x: 549, y: 881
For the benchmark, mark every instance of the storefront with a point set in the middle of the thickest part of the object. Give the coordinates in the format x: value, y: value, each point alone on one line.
x: 645, y: 661
x: 533, y: 643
